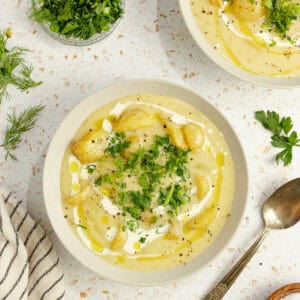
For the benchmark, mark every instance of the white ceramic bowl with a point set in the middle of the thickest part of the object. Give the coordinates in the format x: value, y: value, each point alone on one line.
x: 225, y: 63
x: 51, y: 181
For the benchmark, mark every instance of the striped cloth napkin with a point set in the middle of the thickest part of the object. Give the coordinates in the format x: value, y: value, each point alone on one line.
x: 29, y: 266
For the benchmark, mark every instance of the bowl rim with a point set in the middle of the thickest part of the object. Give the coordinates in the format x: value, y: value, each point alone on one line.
x: 225, y: 63
x: 84, y: 251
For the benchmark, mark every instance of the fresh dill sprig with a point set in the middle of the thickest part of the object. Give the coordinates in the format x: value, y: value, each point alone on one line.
x: 13, y: 69
x: 19, y: 124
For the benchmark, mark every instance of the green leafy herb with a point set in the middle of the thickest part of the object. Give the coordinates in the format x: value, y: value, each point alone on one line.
x: 281, y: 14
x: 142, y: 240
x: 282, y: 135
x: 117, y: 144
x: 154, y: 219
x: 13, y: 69
x: 98, y: 180
x: 143, y: 164
x: 108, y: 178
x: 77, y: 18
x: 81, y: 226
x: 173, y: 196
x: 132, y: 225
x: 91, y: 168
x: 146, y: 167
x: 19, y: 124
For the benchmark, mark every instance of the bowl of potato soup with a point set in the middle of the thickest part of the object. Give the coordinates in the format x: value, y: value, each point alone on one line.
x: 145, y: 182
x: 257, y: 41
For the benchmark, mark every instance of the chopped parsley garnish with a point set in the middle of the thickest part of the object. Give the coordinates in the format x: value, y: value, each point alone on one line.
x: 142, y: 240
x: 77, y: 18
x: 147, y: 167
x: 91, y: 168
x: 132, y: 225
x: 280, y: 15
x: 282, y: 136
x: 174, y: 196
x: 98, y: 180
x: 117, y: 144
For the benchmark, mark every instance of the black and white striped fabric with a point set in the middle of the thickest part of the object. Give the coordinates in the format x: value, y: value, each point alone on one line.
x: 29, y: 266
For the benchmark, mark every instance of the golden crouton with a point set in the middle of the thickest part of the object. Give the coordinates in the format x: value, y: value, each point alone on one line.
x: 175, y: 133
x: 247, y: 10
x: 134, y: 119
x: 91, y: 147
x: 193, y: 135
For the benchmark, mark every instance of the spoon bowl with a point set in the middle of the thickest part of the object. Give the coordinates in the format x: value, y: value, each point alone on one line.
x: 282, y: 209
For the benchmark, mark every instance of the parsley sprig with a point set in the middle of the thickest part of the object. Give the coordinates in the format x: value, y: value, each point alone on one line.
x: 19, y: 124
x: 13, y: 69
x: 283, y: 137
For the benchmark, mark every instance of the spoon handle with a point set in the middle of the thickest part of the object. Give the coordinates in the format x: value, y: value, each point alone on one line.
x: 219, y: 291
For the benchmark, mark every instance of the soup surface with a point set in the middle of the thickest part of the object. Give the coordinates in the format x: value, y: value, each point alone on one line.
x: 238, y: 30
x: 147, y: 182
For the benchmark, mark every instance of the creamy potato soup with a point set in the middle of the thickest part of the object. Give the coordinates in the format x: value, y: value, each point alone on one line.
x: 147, y: 182
x: 259, y: 36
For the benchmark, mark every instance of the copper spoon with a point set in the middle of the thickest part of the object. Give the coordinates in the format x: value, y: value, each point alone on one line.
x: 281, y: 210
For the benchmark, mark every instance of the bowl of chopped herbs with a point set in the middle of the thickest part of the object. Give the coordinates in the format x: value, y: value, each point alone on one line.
x: 78, y: 22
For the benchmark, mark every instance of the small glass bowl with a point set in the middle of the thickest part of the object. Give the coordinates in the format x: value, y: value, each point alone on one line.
x: 71, y: 41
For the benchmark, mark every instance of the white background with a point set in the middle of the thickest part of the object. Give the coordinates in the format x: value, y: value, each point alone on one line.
x: 151, y: 42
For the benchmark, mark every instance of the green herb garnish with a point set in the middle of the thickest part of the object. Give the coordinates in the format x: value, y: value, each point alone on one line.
x: 13, y: 69
x: 273, y: 43
x: 77, y: 18
x: 81, y: 226
x: 282, y: 136
x: 90, y: 169
x: 280, y: 15
x: 154, y: 219
x: 174, y: 196
x: 117, y: 144
x: 142, y: 240
x: 19, y: 124
x: 146, y: 167
x: 98, y: 180
x: 132, y: 225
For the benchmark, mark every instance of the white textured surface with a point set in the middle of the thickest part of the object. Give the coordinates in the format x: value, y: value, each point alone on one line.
x: 152, y: 42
